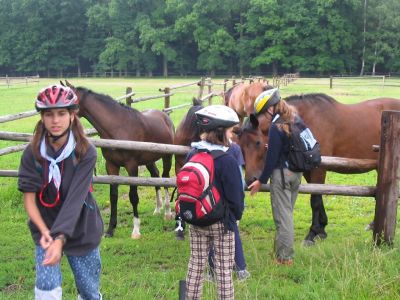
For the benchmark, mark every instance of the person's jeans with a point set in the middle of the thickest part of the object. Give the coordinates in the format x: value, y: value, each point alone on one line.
x: 86, y: 270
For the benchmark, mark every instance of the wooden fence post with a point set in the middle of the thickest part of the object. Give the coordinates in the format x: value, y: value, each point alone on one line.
x: 388, y: 179
x: 209, y: 85
x: 201, y: 88
x: 330, y: 82
x: 167, y: 99
x: 225, y: 82
x: 129, y: 98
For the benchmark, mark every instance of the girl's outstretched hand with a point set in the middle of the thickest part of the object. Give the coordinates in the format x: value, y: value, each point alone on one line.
x: 254, y: 187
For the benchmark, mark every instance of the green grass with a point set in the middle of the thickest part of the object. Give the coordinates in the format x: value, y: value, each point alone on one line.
x: 345, y: 266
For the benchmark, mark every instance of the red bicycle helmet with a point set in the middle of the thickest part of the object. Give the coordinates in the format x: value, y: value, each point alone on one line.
x: 56, y: 96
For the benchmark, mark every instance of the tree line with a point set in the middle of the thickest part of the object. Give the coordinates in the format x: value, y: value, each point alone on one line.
x: 192, y: 37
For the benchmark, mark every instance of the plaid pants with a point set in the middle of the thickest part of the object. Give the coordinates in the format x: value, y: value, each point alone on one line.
x: 201, y: 239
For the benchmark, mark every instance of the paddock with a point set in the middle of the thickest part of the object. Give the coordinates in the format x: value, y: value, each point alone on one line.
x: 386, y: 192
x: 345, y: 265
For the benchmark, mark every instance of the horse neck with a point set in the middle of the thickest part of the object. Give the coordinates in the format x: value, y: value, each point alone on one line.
x: 103, y: 115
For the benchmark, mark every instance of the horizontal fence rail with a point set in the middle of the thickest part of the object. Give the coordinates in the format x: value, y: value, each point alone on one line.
x: 324, y: 189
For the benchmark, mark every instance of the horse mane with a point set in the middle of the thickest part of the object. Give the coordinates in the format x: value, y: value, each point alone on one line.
x: 188, y: 127
x: 247, y: 126
x: 106, y: 99
x: 312, y: 98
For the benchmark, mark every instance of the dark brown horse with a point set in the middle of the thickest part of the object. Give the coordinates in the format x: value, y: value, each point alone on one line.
x: 342, y: 131
x: 113, y: 120
x: 241, y: 97
x: 187, y: 132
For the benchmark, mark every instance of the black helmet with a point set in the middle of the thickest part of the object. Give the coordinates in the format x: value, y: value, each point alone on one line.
x: 214, y: 116
x: 265, y: 100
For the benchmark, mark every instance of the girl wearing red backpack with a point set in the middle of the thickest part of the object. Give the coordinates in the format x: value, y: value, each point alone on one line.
x: 55, y: 176
x: 213, y: 121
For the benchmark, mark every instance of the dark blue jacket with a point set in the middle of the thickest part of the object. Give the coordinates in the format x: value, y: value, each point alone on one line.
x: 277, y: 153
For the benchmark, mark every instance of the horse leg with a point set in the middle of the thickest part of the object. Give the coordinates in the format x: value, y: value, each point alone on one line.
x: 319, y: 217
x: 134, y: 199
x: 155, y: 173
x: 167, y: 164
x: 112, y: 170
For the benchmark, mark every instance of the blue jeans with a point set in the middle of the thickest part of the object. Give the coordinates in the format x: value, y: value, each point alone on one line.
x: 240, y: 262
x: 86, y: 269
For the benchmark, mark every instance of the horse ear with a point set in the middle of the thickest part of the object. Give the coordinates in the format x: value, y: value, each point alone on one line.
x: 69, y: 84
x: 254, y: 121
x: 196, y: 101
x: 62, y: 83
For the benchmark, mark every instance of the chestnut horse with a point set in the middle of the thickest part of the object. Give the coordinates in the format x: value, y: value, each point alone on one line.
x: 241, y: 97
x: 113, y: 120
x: 343, y: 130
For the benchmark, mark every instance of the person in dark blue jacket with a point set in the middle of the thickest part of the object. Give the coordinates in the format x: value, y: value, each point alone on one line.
x: 214, y: 120
x: 284, y: 182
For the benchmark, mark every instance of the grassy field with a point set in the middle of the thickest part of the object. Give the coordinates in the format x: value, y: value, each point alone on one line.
x: 345, y: 266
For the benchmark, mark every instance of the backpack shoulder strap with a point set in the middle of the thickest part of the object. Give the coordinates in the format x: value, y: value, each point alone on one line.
x: 217, y: 153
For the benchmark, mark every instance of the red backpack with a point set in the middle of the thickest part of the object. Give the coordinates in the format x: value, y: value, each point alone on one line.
x: 199, y: 202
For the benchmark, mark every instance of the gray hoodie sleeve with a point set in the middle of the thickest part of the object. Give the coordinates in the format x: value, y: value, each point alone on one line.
x: 77, y: 194
x: 29, y: 173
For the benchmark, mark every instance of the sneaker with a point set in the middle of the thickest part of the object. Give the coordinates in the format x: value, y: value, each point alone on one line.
x: 210, y: 276
x: 242, y: 274
x: 285, y: 262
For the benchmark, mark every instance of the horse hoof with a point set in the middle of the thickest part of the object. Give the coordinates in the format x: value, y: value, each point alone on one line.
x: 135, y: 236
x: 156, y: 212
x: 168, y: 217
x: 370, y: 226
x: 108, y: 234
x: 308, y: 243
x: 321, y: 235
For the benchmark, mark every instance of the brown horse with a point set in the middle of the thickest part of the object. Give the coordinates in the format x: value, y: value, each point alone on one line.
x: 342, y: 131
x: 113, y: 120
x: 241, y: 97
x: 187, y: 132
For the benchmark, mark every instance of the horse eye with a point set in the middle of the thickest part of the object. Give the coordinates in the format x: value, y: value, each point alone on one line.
x: 258, y: 143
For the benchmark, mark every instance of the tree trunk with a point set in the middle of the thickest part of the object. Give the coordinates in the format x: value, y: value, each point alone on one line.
x: 78, y: 64
x: 165, y: 66
x: 364, y: 34
x: 275, y: 68
x: 240, y: 42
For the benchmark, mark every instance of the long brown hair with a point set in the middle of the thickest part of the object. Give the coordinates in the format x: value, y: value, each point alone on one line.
x: 287, y: 113
x: 216, y: 136
x: 82, y: 143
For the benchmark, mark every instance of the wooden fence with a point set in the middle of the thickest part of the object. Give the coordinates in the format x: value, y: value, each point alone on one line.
x: 10, y: 81
x: 354, y: 80
x: 386, y: 192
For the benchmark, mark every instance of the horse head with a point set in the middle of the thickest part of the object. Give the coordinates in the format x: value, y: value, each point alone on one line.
x: 253, y: 141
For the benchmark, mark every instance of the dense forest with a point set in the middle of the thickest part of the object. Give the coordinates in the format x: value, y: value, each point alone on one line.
x: 192, y: 37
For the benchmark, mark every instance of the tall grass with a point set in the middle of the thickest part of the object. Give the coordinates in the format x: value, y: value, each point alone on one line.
x: 345, y: 266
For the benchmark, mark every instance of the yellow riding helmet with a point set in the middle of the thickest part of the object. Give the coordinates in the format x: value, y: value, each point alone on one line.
x: 265, y: 100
